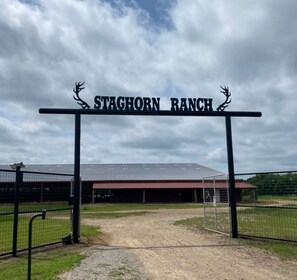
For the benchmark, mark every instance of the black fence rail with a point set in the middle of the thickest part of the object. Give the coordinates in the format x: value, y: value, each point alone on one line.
x: 22, y: 195
x: 269, y: 210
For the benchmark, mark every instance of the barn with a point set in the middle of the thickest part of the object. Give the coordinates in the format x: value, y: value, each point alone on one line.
x: 141, y: 182
x: 173, y: 182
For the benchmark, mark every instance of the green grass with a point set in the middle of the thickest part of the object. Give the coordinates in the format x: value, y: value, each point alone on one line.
x: 44, y: 231
x: 286, y: 251
x: 128, y: 209
x: 196, y: 223
x: 276, y: 200
x: 122, y: 272
x: 268, y: 222
x: 283, y: 250
x: 89, y: 232
x: 118, y: 273
x: 108, y: 207
x: 105, y: 207
x: 45, y: 266
x: 33, y: 206
x: 111, y: 215
x: 263, y: 197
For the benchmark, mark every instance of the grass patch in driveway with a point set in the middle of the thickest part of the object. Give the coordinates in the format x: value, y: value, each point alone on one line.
x: 110, y: 215
x: 119, y: 210
x: 196, y: 223
x: 118, y: 273
x: 109, y: 207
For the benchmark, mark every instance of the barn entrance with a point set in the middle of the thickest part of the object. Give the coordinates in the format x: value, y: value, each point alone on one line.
x: 143, y: 195
x: 138, y: 106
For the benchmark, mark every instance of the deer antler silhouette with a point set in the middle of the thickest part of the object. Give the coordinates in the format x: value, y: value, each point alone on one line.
x: 77, y: 89
x: 227, y: 93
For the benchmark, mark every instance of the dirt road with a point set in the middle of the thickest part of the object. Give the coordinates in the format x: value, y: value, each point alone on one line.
x: 166, y: 251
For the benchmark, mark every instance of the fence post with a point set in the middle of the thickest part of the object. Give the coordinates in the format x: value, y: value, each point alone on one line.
x: 76, y: 192
x: 232, y: 192
x: 18, y: 183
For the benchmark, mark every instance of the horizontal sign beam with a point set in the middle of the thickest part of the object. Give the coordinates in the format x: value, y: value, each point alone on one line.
x: 149, y: 113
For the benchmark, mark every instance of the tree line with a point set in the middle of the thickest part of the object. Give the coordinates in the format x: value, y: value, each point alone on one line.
x: 276, y: 184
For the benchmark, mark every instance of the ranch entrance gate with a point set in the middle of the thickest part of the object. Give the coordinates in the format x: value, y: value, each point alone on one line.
x: 148, y: 111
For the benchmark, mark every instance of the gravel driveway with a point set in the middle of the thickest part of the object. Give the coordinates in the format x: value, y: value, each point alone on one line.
x: 151, y: 247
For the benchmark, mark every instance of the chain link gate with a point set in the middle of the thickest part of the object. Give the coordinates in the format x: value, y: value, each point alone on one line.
x: 216, y: 204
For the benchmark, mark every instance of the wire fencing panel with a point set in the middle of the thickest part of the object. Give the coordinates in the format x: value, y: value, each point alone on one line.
x: 216, y: 204
x: 37, y: 192
x: 269, y: 210
x: 7, y: 188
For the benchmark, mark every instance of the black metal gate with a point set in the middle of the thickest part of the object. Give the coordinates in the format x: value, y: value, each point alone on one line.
x: 22, y: 195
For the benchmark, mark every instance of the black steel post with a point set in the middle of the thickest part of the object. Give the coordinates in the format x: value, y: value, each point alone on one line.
x: 232, y: 193
x: 42, y: 214
x: 76, y: 192
x: 18, y: 183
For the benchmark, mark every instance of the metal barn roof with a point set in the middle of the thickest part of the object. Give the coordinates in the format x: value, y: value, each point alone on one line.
x: 130, y: 172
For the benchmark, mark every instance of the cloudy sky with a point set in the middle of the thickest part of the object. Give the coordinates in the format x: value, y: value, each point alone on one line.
x: 161, y: 48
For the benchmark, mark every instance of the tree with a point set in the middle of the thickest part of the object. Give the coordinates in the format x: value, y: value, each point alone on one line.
x: 276, y: 184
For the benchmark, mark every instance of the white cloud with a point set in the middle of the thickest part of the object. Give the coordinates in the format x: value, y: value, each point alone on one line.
x: 49, y: 45
x: 215, y: 155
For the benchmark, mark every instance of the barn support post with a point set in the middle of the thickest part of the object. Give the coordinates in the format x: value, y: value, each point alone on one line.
x: 77, y: 185
x: 41, y: 192
x: 93, y: 196
x: 232, y: 196
x: 195, y: 195
x: 143, y: 196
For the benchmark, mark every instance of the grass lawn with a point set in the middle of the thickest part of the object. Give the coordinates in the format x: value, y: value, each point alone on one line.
x: 268, y: 222
x: 109, y: 207
x: 282, y: 249
x: 45, y: 265
x: 263, y: 197
x: 48, y: 264
x: 44, y: 231
x: 111, y: 215
x: 128, y: 209
x: 9, y: 207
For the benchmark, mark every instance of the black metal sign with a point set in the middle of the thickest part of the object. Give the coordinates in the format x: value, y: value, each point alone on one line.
x: 124, y: 103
